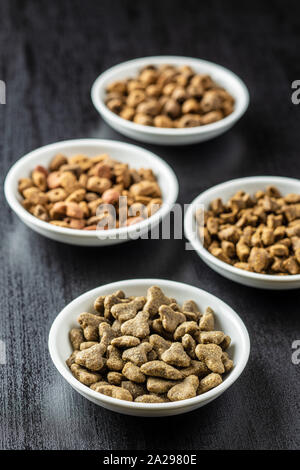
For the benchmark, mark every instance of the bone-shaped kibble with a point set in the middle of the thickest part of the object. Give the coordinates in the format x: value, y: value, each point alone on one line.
x: 114, y: 359
x: 170, y: 318
x: 76, y: 337
x: 184, y: 390
x: 161, y: 369
x: 189, y: 345
x: 189, y: 327
x: 211, y: 354
x: 191, y: 307
x: 113, y: 299
x: 92, y: 358
x: 158, y: 385
x: 133, y: 373
x: 207, y: 322
x: 127, y: 311
x: 90, y: 325
x: 150, y: 399
x: 114, y: 392
x: 114, y: 378
x: 84, y: 376
x: 125, y: 341
x: 209, y: 382
x: 116, y: 326
x: 159, y: 344
x: 137, y: 326
x: 137, y: 355
x: 135, y: 389
x: 214, y: 337
x: 228, y: 363
x: 155, y: 298
x: 226, y: 342
x: 106, y: 334
x: 87, y: 345
x: 198, y: 368
x: 71, y: 359
x: 99, y: 304
x: 176, y: 356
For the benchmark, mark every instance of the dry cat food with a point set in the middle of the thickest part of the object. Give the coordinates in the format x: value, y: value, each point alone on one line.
x: 259, y: 233
x: 169, y: 96
x: 148, y: 349
x: 78, y: 192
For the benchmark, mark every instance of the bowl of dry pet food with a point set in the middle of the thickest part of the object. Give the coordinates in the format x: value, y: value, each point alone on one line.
x: 149, y: 347
x: 91, y: 192
x: 248, y: 230
x: 170, y: 100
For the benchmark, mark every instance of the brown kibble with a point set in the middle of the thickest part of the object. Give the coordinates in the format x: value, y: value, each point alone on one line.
x: 211, y: 354
x: 258, y: 259
x: 170, y: 318
x: 76, y: 338
x: 125, y: 341
x: 213, y: 337
x: 176, y: 356
x: 210, y: 381
x: 114, y: 358
x: 84, y: 376
x: 184, y: 390
x: 138, y: 354
x: 155, y: 298
x: 150, y: 399
x: 91, y: 358
x: 161, y: 369
x: 158, y: 385
x: 207, y: 322
x: 137, y: 326
x: 134, y: 388
x: 133, y: 373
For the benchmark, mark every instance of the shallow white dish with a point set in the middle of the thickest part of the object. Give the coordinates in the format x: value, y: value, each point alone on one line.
x: 136, y: 156
x: 155, y: 135
x: 227, y: 320
x: 225, y: 191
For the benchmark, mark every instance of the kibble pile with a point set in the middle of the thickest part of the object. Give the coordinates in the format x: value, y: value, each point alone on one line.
x: 169, y: 96
x: 148, y: 349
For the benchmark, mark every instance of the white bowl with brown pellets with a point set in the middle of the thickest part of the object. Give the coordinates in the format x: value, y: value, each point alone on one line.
x: 167, y: 110
x: 249, y: 230
x: 62, y: 200
x: 149, y: 347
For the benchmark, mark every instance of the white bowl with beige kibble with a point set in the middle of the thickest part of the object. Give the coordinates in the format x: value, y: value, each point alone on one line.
x: 91, y: 192
x: 170, y: 100
x: 149, y: 347
x: 248, y: 230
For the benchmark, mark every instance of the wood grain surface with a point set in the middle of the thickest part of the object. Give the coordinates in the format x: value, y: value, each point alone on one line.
x: 50, y: 54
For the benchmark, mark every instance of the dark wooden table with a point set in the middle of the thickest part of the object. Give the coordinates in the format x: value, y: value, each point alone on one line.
x: 50, y: 54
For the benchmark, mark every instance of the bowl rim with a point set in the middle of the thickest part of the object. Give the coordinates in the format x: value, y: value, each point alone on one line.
x: 14, y: 203
x: 240, y: 108
x: 163, y: 283
x: 203, y: 252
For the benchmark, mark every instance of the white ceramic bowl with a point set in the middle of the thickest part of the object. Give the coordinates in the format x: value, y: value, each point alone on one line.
x: 163, y: 136
x: 225, y: 191
x: 227, y: 320
x: 137, y: 157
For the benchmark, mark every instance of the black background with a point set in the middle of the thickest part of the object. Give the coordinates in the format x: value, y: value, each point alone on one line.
x: 50, y: 54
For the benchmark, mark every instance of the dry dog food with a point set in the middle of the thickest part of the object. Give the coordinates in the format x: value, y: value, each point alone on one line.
x: 259, y: 233
x: 86, y: 193
x: 148, y: 349
x: 169, y: 96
